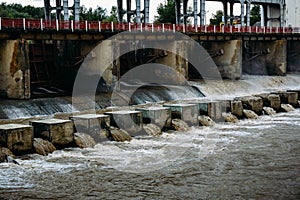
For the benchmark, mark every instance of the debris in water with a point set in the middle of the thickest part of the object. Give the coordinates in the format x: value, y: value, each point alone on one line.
x: 83, y: 140
x: 229, y: 117
x: 287, y: 107
x: 152, y: 129
x: 250, y: 114
x: 269, y: 111
x: 43, y: 147
x: 206, y: 121
x: 120, y: 135
x: 180, y: 125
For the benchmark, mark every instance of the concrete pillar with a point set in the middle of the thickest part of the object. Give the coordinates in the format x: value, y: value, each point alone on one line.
x: 281, y: 15
x: 265, y: 57
x: 185, y: 11
x: 14, y: 69
x: 288, y: 98
x: 58, y: 9
x: 237, y: 108
x: 128, y: 2
x: 225, y: 8
x: 17, y: 138
x: 138, y: 11
x: 252, y: 103
x: 146, y: 10
x: 242, y: 12
x: 202, y: 12
x: 230, y: 61
x: 271, y: 100
x: 47, y: 9
x: 120, y: 10
x: 196, y: 13
x: 248, y: 12
x: 76, y: 10
x: 177, y: 11
x: 59, y: 132
x: 66, y: 10
x: 231, y: 12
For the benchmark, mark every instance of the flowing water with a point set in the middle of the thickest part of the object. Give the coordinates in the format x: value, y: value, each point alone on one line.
x: 251, y: 159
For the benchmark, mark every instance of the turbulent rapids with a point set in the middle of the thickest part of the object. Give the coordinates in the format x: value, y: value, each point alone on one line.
x: 249, y: 156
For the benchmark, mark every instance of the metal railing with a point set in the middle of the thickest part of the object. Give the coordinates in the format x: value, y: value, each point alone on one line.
x: 98, y: 26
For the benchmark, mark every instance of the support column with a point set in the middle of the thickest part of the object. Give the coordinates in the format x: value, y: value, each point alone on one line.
x: 202, y: 12
x: 242, y: 12
x: 177, y: 11
x: 265, y: 10
x: 120, y: 10
x: 146, y: 10
x: 58, y: 9
x: 248, y: 12
x: 195, y: 13
x: 231, y: 12
x: 185, y: 11
x: 281, y: 15
x: 47, y: 9
x: 138, y: 11
x: 225, y: 8
x: 128, y: 2
x: 76, y: 10
x: 66, y: 10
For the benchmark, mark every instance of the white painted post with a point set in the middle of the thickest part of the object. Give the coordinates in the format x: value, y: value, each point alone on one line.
x: 99, y: 26
x: 174, y: 28
x: 0, y: 23
x: 196, y: 28
x: 112, y: 26
x: 214, y: 28
x: 277, y: 29
x: 183, y: 28
x: 205, y: 29
x: 270, y: 29
x: 163, y: 28
x: 239, y: 29
x: 86, y: 26
x: 256, y: 29
x: 230, y: 28
x: 24, y: 24
x: 129, y: 27
x: 152, y: 27
x: 57, y: 28
x: 41, y: 21
x: 141, y: 25
x: 72, y: 25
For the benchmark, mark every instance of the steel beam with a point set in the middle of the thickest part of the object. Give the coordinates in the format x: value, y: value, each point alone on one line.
x: 138, y: 11
x: 146, y: 10
x: 202, y: 12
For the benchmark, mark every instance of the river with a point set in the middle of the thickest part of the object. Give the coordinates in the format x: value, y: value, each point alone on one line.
x: 252, y: 159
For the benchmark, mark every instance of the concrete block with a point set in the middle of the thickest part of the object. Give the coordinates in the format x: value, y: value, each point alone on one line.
x: 160, y: 116
x: 185, y: 112
x: 59, y: 132
x: 16, y: 137
x: 237, y: 108
x: 213, y: 109
x: 252, y: 103
x: 130, y: 121
x: 288, y: 97
x: 95, y: 125
x: 271, y: 100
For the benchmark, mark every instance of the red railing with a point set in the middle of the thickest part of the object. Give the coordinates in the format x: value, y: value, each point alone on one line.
x: 97, y: 26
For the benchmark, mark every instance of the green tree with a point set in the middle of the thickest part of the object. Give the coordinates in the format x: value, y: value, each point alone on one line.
x: 18, y: 11
x: 216, y: 18
x: 255, y: 14
x: 166, y: 12
x: 113, y: 15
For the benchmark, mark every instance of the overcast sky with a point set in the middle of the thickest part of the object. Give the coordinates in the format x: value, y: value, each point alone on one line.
x: 211, y: 7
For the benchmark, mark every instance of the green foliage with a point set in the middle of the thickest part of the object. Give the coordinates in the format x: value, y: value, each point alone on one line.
x: 92, y: 15
x: 255, y: 14
x: 216, y: 18
x: 113, y: 15
x: 166, y: 12
x: 18, y: 11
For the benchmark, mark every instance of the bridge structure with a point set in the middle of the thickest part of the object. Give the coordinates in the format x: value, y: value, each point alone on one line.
x: 42, y: 53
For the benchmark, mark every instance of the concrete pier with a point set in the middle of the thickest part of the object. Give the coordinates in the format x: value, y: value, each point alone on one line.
x: 16, y: 137
x: 186, y: 112
x: 293, y: 53
x: 213, y: 109
x: 228, y: 57
x: 95, y: 125
x: 237, y: 108
x: 59, y: 132
x: 160, y: 116
x: 131, y: 121
x: 265, y: 57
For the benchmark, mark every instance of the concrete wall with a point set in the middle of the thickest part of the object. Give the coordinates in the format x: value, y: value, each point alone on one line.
x: 229, y: 62
x: 265, y: 57
x: 14, y: 69
x: 292, y: 13
x: 293, y: 53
